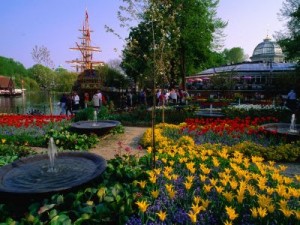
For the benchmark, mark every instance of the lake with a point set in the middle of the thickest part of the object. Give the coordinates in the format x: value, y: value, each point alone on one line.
x: 29, y: 101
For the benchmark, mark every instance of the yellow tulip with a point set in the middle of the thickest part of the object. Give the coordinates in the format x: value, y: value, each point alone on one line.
x: 196, y: 199
x: 196, y: 208
x: 207, y: 188
x: 193, y: 216
x: 205, y: 203
x: 153, y: 179
x: 162, y: 215
x: 143, y: 205
x: 172, y: 193
x: 227, y: 222
x: 228, y: 195
x: 188, y: 185
x: 101, y: 193
x: 142, y: 184
x: 286, y: 212
x: 155, y: 193
x: 231, y: 213
x: 254, y: 212
x: 262, y: 212
x: 219, y: 189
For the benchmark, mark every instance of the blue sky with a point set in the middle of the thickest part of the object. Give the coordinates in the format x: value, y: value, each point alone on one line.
x: 55, y: 23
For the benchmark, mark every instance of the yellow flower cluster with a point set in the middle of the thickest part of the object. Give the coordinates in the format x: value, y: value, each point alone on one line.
x: 239, y: 180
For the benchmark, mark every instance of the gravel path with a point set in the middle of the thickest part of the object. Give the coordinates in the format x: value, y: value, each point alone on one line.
x: 128, y: 142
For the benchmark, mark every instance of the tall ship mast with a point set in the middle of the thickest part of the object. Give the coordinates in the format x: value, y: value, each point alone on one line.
x: 86, y: 61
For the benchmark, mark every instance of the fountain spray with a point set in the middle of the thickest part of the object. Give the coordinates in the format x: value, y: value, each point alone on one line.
x: 52, y: 153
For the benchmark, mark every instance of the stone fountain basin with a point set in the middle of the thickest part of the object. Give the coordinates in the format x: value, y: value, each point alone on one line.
x: 30, y: 177
x: 100, y: 127
x: 281, y: 128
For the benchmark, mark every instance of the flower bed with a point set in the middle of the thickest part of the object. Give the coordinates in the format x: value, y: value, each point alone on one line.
x: 192, y: 183
x: 35, y: 130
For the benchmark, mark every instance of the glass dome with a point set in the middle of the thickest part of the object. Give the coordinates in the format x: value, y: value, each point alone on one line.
x: 267, y: 51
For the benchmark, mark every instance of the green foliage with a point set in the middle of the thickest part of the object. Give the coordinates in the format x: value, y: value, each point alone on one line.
x: 44, y: 76
x: 10, y: 153
x: 64, y: 80
x: 117, y: 130
x: 140, y: 116
x: 10, y: 67
x: 88, y: 114
x: 66, y: 140
x: 290, y: 40
x: 183, y: 34
x: 234, y: 55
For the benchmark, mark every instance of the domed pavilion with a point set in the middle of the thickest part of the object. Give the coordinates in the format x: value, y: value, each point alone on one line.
x: 267, y: 63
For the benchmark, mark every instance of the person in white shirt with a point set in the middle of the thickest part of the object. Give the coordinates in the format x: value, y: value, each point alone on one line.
x: 96, y: 102
x: 76, y: 99
x: 100, y: 98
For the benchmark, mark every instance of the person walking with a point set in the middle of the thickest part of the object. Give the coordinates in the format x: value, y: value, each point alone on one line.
x: 69, y: 105
x: 76, y: 100
x: 291, y: 100
x: 86, y: 99
x: 63, y: 101
x: 96, y: 102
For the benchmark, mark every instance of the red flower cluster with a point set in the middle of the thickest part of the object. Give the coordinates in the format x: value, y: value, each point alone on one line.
x: 29, y: 120
x: 230, y: 126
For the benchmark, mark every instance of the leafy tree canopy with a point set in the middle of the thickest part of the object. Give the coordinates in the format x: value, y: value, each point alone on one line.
x: 9, y: 67
x: 290, y: 39
x: 234, y: 55
x: 173, y: 39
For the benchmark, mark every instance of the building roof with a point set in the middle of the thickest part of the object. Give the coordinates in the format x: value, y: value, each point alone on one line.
x: 5, y: 82
x: 250, y: 67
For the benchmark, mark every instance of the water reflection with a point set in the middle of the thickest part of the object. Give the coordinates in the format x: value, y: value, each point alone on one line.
x: 30, y: 101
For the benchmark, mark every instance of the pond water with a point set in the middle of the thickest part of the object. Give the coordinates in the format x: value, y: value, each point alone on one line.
x: 30, y: 101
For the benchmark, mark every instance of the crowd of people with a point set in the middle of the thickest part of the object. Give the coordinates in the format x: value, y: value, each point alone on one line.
x: 72, y: 102
x: 173, y: 96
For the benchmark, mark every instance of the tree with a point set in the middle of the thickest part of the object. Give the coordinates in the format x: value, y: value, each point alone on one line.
x: 41, y: 55
x: 234, y: 55
x: 290, y: 39
x: 180, y: 32
x: 10, y: 67
x: 64, y: 80
x: 44, y: 76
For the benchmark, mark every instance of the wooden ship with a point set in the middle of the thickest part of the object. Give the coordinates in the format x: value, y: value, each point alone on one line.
x: 89, y: 79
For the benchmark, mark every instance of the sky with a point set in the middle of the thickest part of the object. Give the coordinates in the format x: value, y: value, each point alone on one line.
x: 55, y: 25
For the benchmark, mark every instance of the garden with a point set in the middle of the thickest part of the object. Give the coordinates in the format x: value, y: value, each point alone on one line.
x: 199, y: 170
